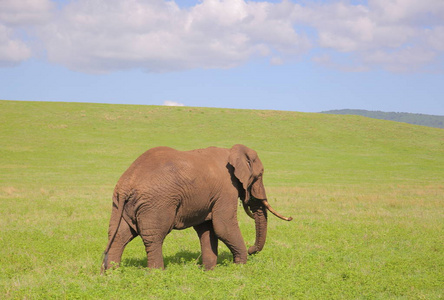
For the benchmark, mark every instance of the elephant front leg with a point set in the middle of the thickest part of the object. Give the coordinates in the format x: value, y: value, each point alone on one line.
x: 208, y: 244
x: 227, y: 230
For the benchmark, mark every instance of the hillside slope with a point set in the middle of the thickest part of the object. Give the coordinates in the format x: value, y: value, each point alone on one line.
x: 416, y: 119
x: 366, y: 196
x: 100, y: 140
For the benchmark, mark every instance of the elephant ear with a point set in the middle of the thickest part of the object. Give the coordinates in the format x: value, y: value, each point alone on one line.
x: 240, y: 159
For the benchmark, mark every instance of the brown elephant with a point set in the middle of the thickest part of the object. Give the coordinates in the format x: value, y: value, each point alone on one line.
x: 166, y: 189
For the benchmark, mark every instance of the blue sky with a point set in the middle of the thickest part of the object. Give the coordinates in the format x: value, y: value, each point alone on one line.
x: 305, y: 56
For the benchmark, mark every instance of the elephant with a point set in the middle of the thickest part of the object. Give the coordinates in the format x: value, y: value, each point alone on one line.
x: 166, y: 189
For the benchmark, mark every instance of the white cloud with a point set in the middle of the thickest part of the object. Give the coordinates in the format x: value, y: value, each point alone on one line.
x: 100, y: 36
x: 435, y: 38
x: 276, y: 60
x: 25, y: 12
x: 397, y: 35
x: 12, y: 51
x: 403, y: 60
x: 172, y: 103
x: 158, y: 36
x: 16, y: 16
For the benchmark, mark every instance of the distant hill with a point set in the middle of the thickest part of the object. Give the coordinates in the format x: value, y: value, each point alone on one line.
x: 417, y: 119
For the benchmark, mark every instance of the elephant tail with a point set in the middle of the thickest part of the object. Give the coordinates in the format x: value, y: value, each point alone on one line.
x: 120, y: 206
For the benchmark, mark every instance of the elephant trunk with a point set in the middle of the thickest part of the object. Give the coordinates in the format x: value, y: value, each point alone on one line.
x: 260, y: 218
x: 259, y: 205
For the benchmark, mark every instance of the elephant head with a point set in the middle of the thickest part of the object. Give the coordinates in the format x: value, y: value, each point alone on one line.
x: 248, y: 169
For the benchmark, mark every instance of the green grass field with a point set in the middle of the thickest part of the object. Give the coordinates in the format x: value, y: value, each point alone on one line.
x: 366, y: 195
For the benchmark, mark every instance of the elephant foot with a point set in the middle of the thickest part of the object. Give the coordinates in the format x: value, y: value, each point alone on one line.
x: 240, y: 259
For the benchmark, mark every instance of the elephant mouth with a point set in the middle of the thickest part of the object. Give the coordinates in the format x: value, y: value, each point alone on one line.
x: 269, y: 208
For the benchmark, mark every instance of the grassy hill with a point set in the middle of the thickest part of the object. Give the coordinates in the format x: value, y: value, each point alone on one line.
x: 416, y: 119
x: 366, y: 196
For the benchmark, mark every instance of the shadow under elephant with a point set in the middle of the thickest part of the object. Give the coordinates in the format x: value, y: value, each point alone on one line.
x: 180, y: 258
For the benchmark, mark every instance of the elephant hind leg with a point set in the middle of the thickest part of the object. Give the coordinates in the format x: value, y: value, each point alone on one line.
x: 208, y: 244
x: 153, y: 247
x: 154, y: 224
x: 123, y: 236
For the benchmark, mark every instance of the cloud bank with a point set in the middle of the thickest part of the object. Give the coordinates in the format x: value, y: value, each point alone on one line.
x: 15, y: 18
x: 100, y: 36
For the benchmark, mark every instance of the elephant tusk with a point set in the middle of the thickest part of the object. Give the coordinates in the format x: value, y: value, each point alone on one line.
x: 247, y: 210
x: 268, y: 206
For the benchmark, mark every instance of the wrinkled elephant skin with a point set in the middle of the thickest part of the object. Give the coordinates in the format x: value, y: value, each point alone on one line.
x: 166, y: 189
